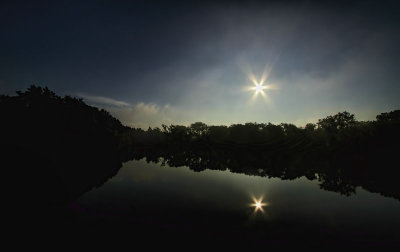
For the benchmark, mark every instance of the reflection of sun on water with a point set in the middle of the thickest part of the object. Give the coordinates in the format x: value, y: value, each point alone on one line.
x: 258, y: 205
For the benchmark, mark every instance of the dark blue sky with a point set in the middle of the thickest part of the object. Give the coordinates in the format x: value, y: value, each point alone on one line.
x: 177, y: 62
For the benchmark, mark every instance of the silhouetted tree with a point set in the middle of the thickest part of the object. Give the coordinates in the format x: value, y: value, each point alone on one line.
x: 310, y: 127
x: 198, y: 129
x: 336, y: 122
x: 392, y: 116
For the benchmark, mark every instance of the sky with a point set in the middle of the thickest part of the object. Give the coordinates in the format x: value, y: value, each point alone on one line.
x: 178, y: 62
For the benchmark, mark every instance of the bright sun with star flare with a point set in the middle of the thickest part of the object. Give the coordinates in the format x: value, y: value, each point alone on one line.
x: 259, y: 88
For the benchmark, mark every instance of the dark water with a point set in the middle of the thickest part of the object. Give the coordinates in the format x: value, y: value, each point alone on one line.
x: 220, y: 203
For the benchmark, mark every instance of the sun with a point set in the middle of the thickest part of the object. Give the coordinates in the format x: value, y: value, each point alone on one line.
x: 259, y: 88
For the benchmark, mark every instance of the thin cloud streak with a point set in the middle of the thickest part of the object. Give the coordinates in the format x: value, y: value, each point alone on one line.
x: 101, y: 100
x: 140, y: 115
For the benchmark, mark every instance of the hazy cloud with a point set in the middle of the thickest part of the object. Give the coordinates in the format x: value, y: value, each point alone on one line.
x: 103, y: 101
x: 140, y: 115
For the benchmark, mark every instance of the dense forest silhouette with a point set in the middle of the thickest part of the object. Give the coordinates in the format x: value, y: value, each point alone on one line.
x: 57, y: 148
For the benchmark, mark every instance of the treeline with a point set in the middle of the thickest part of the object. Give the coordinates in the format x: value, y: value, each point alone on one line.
x: 60, y: 147
x: 56, y: 147
x: 39, y: 119
x: 341, y: 130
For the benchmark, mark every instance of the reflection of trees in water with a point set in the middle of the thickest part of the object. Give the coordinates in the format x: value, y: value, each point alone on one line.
x: 339, y: 151
x: 338, y: 172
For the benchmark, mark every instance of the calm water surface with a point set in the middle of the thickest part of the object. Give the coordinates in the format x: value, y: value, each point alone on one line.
x: 176, y: 197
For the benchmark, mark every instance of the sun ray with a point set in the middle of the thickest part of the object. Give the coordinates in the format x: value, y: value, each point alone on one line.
x: 271, y: 87
x: 264, y: 95
x: 254, y: 97
x: 264, y: 77
x: 253, y: 79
